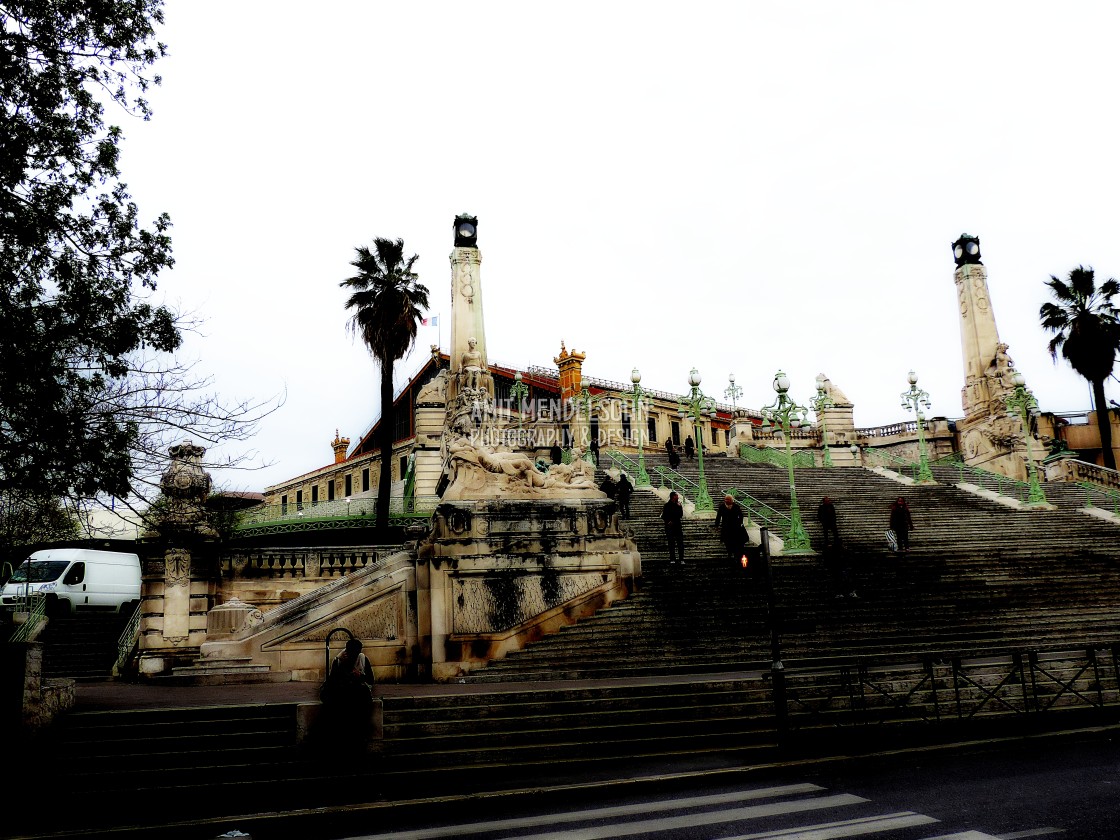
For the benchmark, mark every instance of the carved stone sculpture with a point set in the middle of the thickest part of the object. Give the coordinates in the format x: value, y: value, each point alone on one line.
x: 478, y: 471
x: 185, y: 485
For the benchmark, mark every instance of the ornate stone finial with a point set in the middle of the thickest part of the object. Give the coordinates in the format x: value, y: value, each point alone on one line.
x: 570, y: 365
x: 185, y: 485
x: 339, y: 445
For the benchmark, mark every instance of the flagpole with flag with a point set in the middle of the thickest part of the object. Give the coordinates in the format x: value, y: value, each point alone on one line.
x: 433, y: 321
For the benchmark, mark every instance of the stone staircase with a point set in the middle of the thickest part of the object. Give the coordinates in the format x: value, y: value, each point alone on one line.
x: 82, y: 646
x: 979, y: 576
x: 680, y: 671
x: 165, y: 764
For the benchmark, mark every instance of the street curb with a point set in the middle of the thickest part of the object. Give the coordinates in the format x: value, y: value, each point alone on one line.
x: 354, y: 812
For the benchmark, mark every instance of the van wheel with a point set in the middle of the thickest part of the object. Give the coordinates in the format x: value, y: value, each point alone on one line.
x: 56, y: 608
x: 129, y: 607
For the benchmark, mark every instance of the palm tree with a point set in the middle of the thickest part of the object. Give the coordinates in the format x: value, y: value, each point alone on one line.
x: 385, y: 303
x: 1086, y: 327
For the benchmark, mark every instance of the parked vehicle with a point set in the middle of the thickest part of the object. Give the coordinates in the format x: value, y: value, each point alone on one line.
x: 76, y: 580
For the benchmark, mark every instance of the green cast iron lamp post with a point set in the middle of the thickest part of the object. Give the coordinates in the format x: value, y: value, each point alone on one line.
x: 586, y: 398
x: 518, y: 391
x: 820, y: 402
x: 696, y: 405
x: 785, y: 414
x: 636, y: 402
x: 1022, y: 404
x: 733, y: 393
x: 913, y: 400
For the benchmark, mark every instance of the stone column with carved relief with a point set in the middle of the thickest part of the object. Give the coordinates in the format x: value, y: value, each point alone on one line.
x: 989, y: 437
x: 180, y: 576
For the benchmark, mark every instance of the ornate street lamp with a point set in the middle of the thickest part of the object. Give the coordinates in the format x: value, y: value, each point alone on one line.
x: 696, y: 405
x: 586, y: 398
x: 518, y: 391
x: 820, y: 402
x: 636, y: 402
x: 733, y: 393
x: 786, y: 415
x: 1022, y: 404
x: 913, y: 400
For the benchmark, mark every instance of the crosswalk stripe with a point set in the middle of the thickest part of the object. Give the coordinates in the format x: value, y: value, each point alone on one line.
x: 598, y: 813
x: 965, y: 835
x: 689, y: 821
x: 842, y: 828
x: 1031, y: 832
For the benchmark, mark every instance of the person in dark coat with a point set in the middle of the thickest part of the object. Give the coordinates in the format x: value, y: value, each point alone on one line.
x: 623, y: 494
x: 609, y: 487
x: 901, y: 523
x: 826, y: 515
x: 348, y: 699
x: 672, y: 514
x: 556, y: 453
x: 595, y: 449
x: 729, y: 522
x: 689, y: 448
x: 674, y: 456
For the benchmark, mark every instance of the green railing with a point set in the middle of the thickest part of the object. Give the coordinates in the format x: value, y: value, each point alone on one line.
x: 625, y: 463
x: 758, y: 512
x: 775, y: 457
x: 879, y: 458
x: 337, y: 513
x: 127, y: 642
x: 35, y: 605
x: 672, y: 480
x: 993, y: 482
x: 1100, y: 497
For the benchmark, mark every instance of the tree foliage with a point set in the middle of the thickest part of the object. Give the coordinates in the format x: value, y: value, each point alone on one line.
x: 385, y: 301
x: 88, y: 396
x: 1086, y: 328
x: 29, y: 520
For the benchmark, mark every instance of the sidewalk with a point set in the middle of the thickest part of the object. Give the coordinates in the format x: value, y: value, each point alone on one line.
x: 117, y: 695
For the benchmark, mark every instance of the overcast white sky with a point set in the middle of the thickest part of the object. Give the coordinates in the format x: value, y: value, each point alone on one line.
x: 736, y: 186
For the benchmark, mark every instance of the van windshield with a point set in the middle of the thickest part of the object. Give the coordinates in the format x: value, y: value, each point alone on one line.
x: 41, y: 571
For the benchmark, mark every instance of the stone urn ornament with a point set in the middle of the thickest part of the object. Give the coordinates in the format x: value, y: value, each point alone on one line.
x: 186, y: 486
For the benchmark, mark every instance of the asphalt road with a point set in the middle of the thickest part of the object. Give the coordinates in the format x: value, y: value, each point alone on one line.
x: 1045, y: 788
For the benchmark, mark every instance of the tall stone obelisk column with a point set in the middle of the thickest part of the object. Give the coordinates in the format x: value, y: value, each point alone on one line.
x: 466, y: 294
x: 989, y: 437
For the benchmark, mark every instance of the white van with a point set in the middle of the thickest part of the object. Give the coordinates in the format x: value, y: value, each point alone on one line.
x: 77, y: 580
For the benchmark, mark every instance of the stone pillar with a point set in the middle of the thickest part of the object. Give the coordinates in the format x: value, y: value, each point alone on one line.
x: 466, y: 301
x: 742, y: 431
x: 989, y: 438
x: 179, y: 584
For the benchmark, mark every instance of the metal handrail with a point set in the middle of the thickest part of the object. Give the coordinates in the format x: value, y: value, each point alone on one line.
x: 775, y: 457
x: 1111, y: 498
x: 672, y: 480
x: 625, y: 464
x: 327, y: 645
x: 360, y: 508
x: 127, y: 642
x: 992, y: 481
x: 36, y: 610
x: 763, y: 513
x: 890, y: 459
